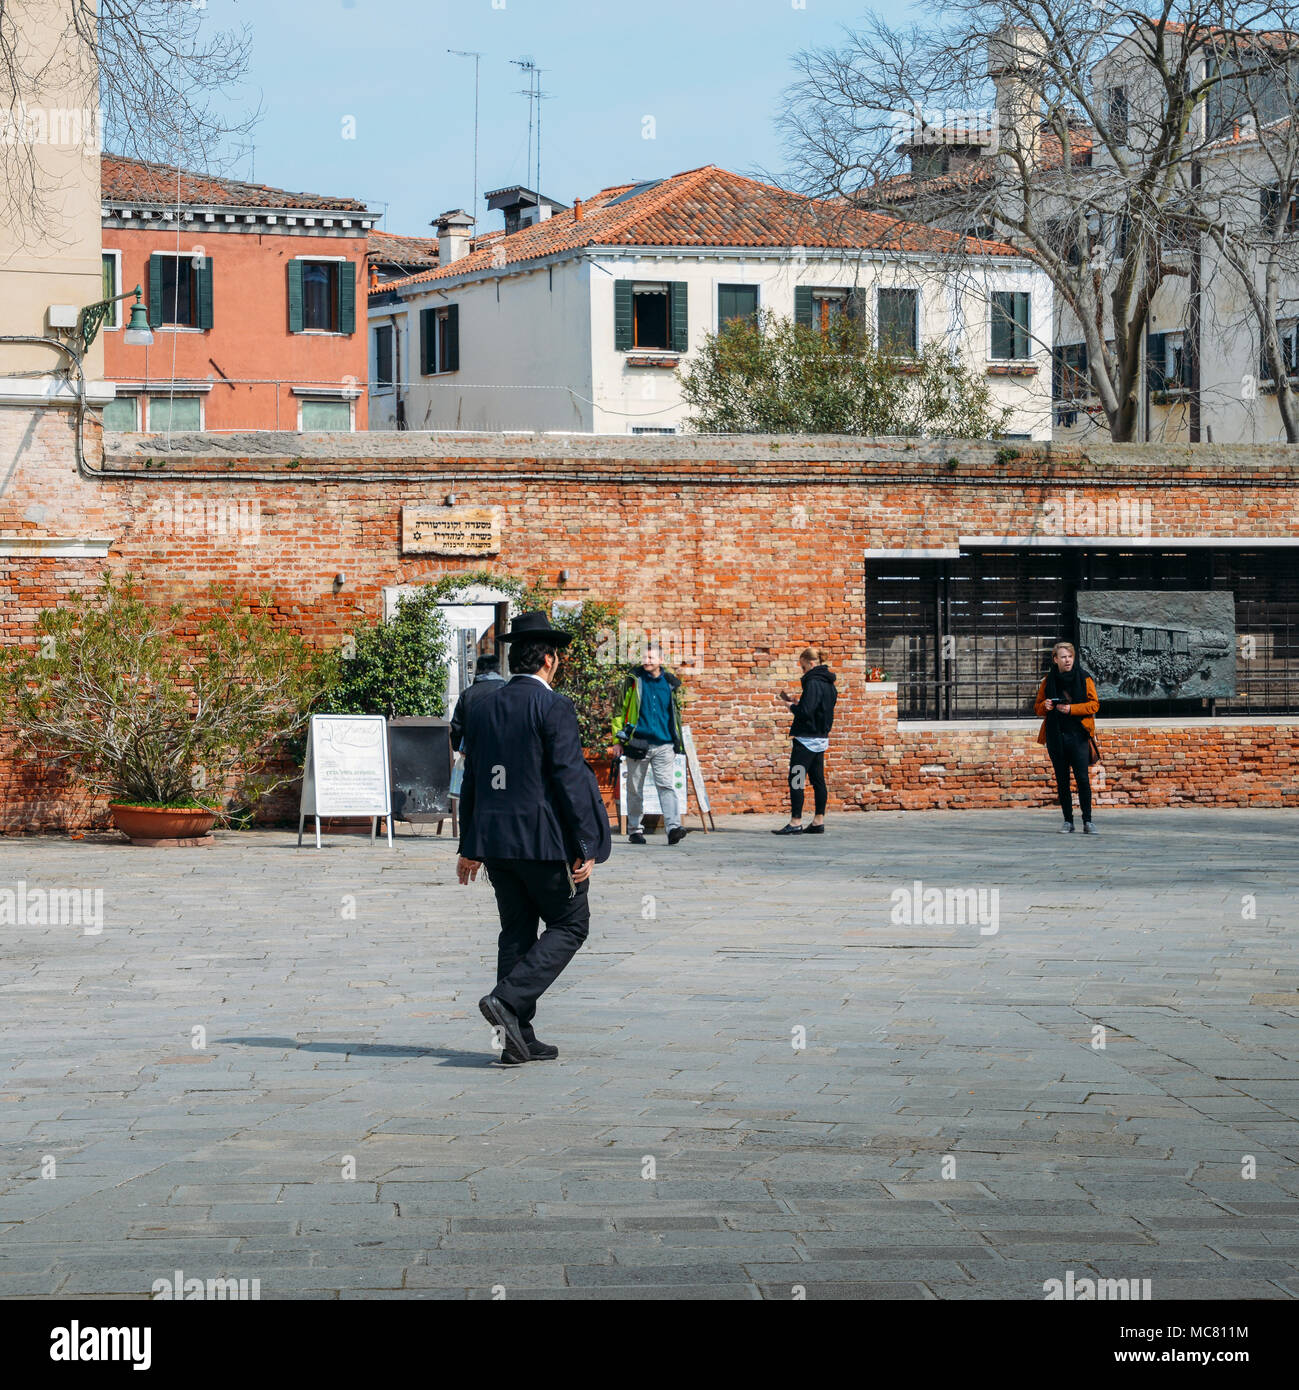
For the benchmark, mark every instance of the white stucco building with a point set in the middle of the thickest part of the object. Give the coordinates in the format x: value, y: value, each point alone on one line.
x: 576, y: 320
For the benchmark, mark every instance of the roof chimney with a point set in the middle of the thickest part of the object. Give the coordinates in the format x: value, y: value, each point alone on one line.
x: 578, y: 211
x: 455, y: 229
x: 1014, y: 63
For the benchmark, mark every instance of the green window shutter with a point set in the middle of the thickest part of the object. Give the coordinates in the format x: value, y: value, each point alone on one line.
x: 803, y: 305
x: 1155, y: 362
x: 452, y: 329
x: 623, y: 340
x: 426, y: 339
x: 205, y: 293
x: 1023, y: 346
x: 347, y: 297
x: 155, y: 290
x: 295, y: 296
x: 679, y: 309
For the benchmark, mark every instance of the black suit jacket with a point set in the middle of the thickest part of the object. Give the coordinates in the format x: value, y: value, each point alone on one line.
x: 527, y: 791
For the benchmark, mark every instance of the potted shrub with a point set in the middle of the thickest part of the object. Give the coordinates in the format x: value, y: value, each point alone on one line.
x: 167, y: 712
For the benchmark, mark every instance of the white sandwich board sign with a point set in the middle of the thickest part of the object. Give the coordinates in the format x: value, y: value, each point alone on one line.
x: 347, y: 771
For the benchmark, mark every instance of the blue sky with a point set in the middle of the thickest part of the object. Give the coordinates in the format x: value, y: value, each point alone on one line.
x: 709, y: 73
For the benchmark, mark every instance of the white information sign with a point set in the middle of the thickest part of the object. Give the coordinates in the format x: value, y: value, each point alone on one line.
x: 650, y: 799
x: 696, y: 772
x: 347, y: 770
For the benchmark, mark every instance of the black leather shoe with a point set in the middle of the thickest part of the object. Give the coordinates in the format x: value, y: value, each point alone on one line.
x: 814, y: 830
x: 789, y: 830
x: 499, y: 1014
x: 637, y: 839
x: 676, y: 835
x: 537, y: 1052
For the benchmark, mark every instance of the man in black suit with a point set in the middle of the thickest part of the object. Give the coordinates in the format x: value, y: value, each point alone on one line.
x: 530, y: 810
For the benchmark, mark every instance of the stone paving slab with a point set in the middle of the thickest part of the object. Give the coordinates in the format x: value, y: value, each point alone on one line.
x: 768, y: 1080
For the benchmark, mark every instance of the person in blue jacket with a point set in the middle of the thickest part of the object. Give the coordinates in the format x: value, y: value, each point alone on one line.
x: 531, y: 813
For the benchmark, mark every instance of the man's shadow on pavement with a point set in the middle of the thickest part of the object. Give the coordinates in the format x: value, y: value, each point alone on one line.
x: 450, y: 1058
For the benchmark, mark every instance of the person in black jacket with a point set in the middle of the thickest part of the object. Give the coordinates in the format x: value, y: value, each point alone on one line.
x: 813, y: 715
x: 487, y: 681
x: 531, y: 812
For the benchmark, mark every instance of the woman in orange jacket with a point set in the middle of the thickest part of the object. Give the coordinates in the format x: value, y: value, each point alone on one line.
x: 1067, y: 700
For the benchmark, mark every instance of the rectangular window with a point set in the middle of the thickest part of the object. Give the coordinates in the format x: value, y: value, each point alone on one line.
x: 1118, y: 115
x: 111, y: 262
x: 175, y: 413
x: 1269, y: 200
x: 1010, y: 326
x: 320, y: 296
x: 897, y: 313
x: 1177, y: 364
x: 439, y: 339
x: 383, y: 364
x: 179, y: 291
x: 1069, y: 380
x: 651, y: 316
x: 1287, y: 331
x: 736, y: 302
x: 326, y: 415
x: 121, y: 415
x: 970, y: 637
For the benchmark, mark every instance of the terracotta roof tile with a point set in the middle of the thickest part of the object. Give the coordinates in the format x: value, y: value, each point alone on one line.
x: 136, y: 181
x: 402, y: 250
x: 703, y: 207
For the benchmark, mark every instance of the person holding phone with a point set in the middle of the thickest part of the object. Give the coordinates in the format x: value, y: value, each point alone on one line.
x: 1068, y: 702
x: 813, y: 715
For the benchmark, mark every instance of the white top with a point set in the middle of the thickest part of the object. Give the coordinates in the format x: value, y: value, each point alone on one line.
x: 813, y: 745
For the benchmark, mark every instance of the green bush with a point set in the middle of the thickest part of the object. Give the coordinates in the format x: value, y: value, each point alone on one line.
x: 156, y: 705
x: 397, y: 669
x: 586, y: 675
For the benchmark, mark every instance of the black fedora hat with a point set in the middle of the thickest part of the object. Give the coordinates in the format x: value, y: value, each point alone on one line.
x: 535, y: 627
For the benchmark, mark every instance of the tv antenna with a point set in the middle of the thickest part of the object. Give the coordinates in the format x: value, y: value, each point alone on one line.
x: 535, y: 97
x: 477, y: 57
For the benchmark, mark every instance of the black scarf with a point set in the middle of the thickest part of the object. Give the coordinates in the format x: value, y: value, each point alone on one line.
x: 1070, y: 688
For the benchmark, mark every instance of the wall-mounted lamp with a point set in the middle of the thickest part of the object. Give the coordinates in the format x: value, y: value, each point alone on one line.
x: 451, y: 499
x: 563, y: 576
x: 339, y: 580
x: 91, y: 319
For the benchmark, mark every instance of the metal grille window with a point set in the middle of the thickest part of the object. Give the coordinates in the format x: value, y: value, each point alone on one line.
x: 970, y: 638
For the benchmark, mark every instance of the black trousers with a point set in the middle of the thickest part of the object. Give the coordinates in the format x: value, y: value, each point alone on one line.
x: 1066, y: 754
x: 804, y: 767
x: 528, y: 892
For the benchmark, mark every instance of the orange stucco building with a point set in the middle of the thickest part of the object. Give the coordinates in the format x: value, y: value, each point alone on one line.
x: 252, y: 298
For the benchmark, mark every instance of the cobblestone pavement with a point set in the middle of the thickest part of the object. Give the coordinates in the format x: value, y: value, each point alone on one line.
x: 950, y: 1127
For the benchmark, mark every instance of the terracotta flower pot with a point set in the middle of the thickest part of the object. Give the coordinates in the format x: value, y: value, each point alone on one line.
x: 606, y: 774
x: 164, y: 825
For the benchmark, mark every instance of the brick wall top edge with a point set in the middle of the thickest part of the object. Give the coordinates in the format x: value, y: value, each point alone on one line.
x: 388, y: 448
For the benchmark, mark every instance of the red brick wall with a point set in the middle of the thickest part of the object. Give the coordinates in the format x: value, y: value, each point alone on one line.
x: 758, y: 543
